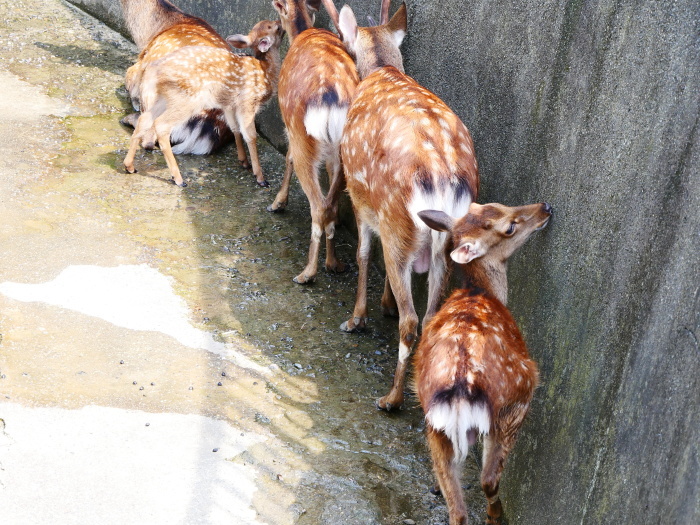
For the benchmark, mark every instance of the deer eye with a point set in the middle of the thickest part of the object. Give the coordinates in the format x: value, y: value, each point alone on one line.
x: 511, y: 229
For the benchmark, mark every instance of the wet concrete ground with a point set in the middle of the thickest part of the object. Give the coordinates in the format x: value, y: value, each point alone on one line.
x: 157, y: 363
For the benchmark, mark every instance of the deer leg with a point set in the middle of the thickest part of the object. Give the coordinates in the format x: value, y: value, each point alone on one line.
x: 282, y: 197
x: 143, y: 124
x: 163, y: 130
x: 358, y: 321
x: 337, y: 184
x: 494, y: 459
x: 389, y: 308
x: 437, y: 275
x: 240, y: 150
x: 250, y: 136
x: 447, y: 474
x: 307, y: 172
x: 400, y: 278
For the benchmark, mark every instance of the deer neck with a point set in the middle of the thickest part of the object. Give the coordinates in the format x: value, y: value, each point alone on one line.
x: 146, y: 18
x: 487, y: 274
x: 299, y: 22
x: 270, y: 62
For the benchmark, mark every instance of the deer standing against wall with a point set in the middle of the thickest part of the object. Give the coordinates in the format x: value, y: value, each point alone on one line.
x: 159, y: 28
x: 403, y: 151
x: 193, y: 79
x: 473, y: 375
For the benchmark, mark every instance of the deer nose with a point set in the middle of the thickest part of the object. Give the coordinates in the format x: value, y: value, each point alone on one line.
x: 547, y: 208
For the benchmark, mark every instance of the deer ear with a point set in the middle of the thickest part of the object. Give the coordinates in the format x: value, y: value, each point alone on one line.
x: 239, y: 41
x: 467, y: 252
x: 437, y: 220
x: 347, y: 25
x: 398, y: 25
x: 280, y: 6
x: 264, y: 44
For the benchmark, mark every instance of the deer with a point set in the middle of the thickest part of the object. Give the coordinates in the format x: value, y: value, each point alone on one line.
x: 317, y: 85
x: 158, y: 28
x: 193, y: 79
x: 403, y: 151
x: 472, y: 371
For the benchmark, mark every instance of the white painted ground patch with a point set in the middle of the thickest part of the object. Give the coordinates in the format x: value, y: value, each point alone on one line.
x: 104, y: 465
x: 131, y: 296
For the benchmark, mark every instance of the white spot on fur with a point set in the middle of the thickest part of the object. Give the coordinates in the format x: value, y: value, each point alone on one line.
x: 326, y: 123
x: 404, y: 352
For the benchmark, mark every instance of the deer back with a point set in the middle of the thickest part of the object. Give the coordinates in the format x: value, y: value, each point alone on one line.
x: 403, y: 148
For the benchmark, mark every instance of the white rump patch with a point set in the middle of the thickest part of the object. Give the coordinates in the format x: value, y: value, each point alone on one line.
x: 456, y: 419
x: 325, y: 123
x: 441, y: 199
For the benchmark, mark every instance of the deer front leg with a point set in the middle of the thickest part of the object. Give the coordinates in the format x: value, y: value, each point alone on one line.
x: 358, y: 321
x: 282, y: 197
x: 400, y: 278
x: 447, y: 474
x: 250, y: 136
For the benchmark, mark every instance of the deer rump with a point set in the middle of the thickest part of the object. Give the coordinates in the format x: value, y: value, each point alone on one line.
x: 466, y: 380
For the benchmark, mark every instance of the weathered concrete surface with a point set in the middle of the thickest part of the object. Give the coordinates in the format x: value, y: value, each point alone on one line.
x: 594, y: 107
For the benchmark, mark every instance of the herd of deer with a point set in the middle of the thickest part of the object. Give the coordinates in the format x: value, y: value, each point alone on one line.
x: 409, y: 166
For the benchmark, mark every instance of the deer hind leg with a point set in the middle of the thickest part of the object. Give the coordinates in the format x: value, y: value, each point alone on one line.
x: 336, y: 185
x: 358, y: 321
x: 280, y: 202
x: 307, y: 173
x: 447, y: 472
x: 399, y: 274
x: 494, y: 459
x: 389, y: 308
x: 143, y: 124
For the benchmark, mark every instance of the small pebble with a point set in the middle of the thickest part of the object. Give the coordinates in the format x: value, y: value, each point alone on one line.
x: 134, y: 382
x: 148, y: 424
x: 218, y: 384
x: 215, y: 450
x: 141, y: 388
x: 347, y: 356
x: 223, y: 374
x: 409, y: 522
x: 255, y: 382
x: 153, y: 384
x: 191, y: 388
x: 121, y: 362
x: 298, y: 365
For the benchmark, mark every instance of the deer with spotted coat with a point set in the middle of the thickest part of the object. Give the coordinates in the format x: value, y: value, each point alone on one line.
x: 473, y: 374
x: 403, y: 151
x: 158, y: 28
x: 193, y: 79
x: 317, y: 84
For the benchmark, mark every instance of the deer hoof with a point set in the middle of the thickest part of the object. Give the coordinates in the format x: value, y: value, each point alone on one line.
x: 130, y: 169
x: 358, y: 324
x: 263, y: 184
x: 302, y: 279
x: 383, y: 404
x: 435, y: 491
x: 336, y: 267
x: 272, y: 208
x: 182, y: 184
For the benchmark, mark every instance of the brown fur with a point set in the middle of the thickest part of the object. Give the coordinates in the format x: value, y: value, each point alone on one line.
x: 158, y: 28
x: 193, y: 79
x: 401, y: 142
x: 472, y: 352
x: 316, y: 65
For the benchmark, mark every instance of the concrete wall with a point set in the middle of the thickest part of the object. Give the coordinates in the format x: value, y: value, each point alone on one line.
x: 594, y: 107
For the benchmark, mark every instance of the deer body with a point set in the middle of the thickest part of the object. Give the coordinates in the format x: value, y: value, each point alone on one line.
x: 317, y: 83
x: 473, y: 375
x: 195, y: 79
x: 403, y: 151
x: 159, y: 28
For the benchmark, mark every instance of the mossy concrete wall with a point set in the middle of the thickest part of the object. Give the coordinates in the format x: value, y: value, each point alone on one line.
x: 592, y: 106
